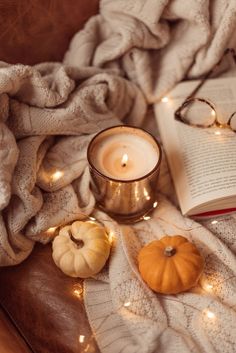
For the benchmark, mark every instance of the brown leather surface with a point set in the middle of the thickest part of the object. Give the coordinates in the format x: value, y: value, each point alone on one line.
x: 33, y: 31
x: 10, y: 340
x: 47, y: 306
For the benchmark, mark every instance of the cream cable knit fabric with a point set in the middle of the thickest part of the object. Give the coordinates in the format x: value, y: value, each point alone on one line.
x: 130, y: 54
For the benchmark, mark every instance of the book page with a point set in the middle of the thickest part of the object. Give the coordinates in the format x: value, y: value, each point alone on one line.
x: 202, y: 161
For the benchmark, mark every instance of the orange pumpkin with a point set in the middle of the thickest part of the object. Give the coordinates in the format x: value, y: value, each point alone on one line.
x: 170, y: 265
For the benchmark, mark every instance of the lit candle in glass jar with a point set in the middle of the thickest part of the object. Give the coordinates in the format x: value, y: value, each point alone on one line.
x: 125, y: 154
x: 124, y: 163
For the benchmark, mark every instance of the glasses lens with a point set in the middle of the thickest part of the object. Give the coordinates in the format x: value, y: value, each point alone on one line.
x: 233, y: 122
x: 198, y: 112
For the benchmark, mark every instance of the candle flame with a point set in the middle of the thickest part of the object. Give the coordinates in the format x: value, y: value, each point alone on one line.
x: 124, y: 160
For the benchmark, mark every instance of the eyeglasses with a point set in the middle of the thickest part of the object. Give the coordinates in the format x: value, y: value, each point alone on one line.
x: 200, y: 112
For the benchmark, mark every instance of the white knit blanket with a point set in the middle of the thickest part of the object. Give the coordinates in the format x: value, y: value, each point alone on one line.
x: 128, y: 56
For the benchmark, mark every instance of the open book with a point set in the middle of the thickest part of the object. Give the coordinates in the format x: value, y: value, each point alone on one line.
x: 202, y: 161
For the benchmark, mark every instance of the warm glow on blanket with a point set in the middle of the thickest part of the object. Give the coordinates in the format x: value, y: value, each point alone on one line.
x: 208, y: 287
x: 111, y: 236
x: 51, y: 230
x: 165, y: 100
x: 57, y: 175
x: 217, y: 133
x: 210, y: 314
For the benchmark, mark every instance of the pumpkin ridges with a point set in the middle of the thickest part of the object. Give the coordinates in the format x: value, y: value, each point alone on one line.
x: 64, y: 231
x: 101, y: 250
x: 168, y: 286
x: 66, y: 261
x: 155, y: 243
x: 149, y: 253
x: 62, y: 239
x: 157, y: 274
x: 90, y: 229
x: 179, y: 274
x: 95, y: 267
x: 81, y: 227
x: 186, y: 276
x: 99, y: 235
x: 195, y: 260
x: 60, y: 252
x: 151, y: 249
x: 87, y: 260
x: 188, y: 247
x: 78, y: 260
x: 173, y: 271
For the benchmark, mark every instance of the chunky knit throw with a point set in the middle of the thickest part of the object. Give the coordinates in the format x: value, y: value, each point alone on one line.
x: 129, y: 55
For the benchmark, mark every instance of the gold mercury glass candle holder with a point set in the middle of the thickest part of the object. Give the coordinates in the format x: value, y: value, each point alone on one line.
x: 124, y: 198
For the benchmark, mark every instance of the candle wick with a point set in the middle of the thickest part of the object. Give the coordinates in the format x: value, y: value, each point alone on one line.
x: 124, y: 160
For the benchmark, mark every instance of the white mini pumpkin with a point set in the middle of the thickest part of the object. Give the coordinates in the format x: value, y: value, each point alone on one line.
x: 81, y: 249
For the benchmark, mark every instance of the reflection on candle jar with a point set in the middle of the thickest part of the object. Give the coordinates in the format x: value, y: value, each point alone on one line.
x: 124, y: 164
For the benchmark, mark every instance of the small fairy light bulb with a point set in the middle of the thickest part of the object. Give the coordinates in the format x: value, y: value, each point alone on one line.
x: 78, y: 292
x: 51, y: 230
x: 165, y: 100
x: 57, y: 175
x: 124, y: 160
x: 127, y: 304
x: 155, y: 204
x: 217, y: 133
x: 214, y: 222
x: 208, y: 287
x: 210, y: 315
x: 146, y: 218
x: 81, y: 338
x: 92, y: 218
x: 213, y: 113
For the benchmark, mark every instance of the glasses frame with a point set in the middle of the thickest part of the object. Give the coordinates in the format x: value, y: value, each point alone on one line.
x: 190, y: 99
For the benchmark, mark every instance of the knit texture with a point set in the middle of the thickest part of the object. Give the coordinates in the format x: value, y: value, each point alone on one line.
x: 126, y: 57
x: 127, y: 316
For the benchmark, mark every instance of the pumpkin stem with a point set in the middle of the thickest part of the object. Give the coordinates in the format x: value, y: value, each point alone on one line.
x: 78, y: 242
x: 169, y: 251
